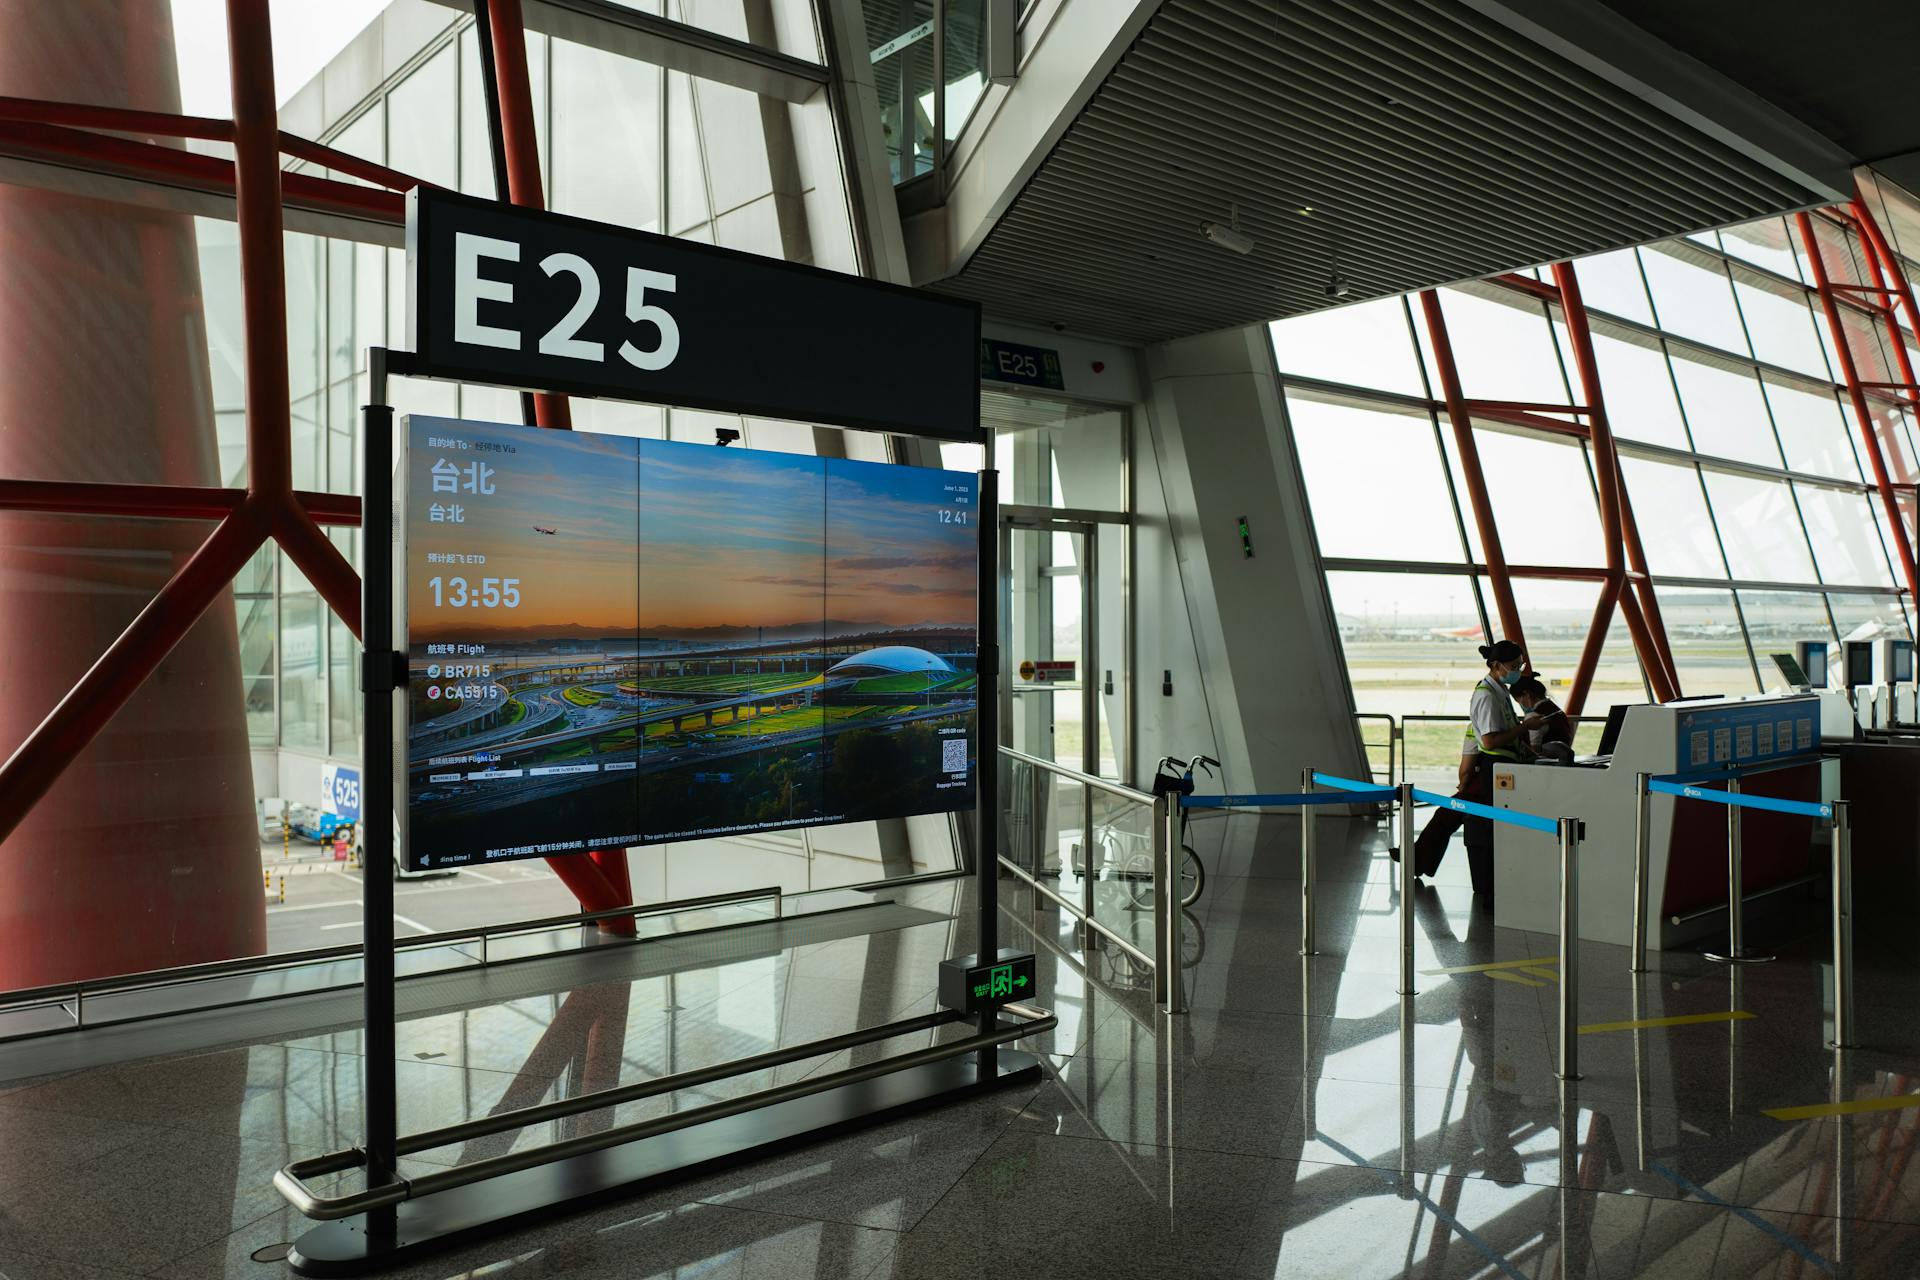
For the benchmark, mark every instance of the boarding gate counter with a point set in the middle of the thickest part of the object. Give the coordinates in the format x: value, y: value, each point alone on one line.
x: 1687, y: 846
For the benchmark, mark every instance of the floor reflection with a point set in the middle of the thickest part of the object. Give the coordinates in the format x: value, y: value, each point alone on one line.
x: 1301, y: 1119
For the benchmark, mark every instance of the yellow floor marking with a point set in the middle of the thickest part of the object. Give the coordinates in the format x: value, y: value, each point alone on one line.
x: 1514, y: 977
x: 1550, y: 974
x: 1895, y: 1103
x: 1498, y: 964
x: 1684, y: 1020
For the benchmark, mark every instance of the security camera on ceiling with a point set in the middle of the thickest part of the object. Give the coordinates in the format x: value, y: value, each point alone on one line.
x: 1229, y: 235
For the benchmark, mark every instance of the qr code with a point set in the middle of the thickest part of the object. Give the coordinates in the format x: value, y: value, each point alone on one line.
x: 953, y: 755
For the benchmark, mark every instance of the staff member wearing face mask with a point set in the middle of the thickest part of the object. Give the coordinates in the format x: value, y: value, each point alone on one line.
x: 1497, y: 733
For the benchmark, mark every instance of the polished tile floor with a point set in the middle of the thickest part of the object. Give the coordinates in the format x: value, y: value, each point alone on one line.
x: 1300, y: 1120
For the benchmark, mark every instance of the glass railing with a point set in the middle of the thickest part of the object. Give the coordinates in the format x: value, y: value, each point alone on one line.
x: 913, y: 46
x: 1089, y: 845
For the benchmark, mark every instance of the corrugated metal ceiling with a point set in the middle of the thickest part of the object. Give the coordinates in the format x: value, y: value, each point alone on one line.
x: 1431, y: 143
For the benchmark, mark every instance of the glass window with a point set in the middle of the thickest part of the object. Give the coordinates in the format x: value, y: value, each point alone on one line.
x: 1780, y: 323
x: 1766, y: 243
x: 255, y: 615
x: 366, y: 138
x: 1845, y: 545
x: 1692, y: 296
x: 422, y: 120
x: 687, y: 206
x: 1670, y: 510
x: 1411, y: 641
x: 1542, y: 498
x: 1557, y: 616
x: 1725, y: 410
x: 302, y: 686
x: 1611, y: 282
x: 1861, y: 614
x: 1703, y: 632
x: 606, y: 125
x: 1502, y: 345
x: 1635, y: 386
x: 1373, y: 481
x: 1813, y: 433
x: 1777, y: 620
x: 1367, y: 344
x: 1760, y: 527
x: 476, y: 144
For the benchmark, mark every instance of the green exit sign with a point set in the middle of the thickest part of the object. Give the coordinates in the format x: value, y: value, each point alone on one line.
x: 969, y: 984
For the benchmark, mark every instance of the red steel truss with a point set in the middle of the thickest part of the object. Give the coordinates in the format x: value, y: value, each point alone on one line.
x: 1626, y: 562
x: 1878, y: 300
x: 269, y: 508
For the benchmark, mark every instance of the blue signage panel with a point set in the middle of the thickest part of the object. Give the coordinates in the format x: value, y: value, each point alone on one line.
x: 340, y: 791
x: 1730, y: 735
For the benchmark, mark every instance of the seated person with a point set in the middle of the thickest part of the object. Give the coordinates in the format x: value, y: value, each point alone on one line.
x: 1549, y: 732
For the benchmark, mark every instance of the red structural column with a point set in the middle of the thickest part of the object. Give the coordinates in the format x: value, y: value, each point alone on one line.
x: 603, y: 882
x: 1477, y: 497
x: 1607, y: 476
x: 127, y: 832
x: 1857, y: 396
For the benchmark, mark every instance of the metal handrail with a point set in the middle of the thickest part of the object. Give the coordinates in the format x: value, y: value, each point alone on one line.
x: 208, y: 970
x: 1097, y: 783
x: 1081, y: 910
x: 290, y: 1181
x: 1393, y: 736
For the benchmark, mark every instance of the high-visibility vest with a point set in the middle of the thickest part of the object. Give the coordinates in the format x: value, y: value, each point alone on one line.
x: 1508, y: 720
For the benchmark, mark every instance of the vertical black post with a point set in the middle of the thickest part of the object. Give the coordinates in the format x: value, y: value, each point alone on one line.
x: 379, y: 677
x: 986, y: 818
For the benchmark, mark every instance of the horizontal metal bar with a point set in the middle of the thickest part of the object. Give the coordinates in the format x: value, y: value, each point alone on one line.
x: 1719, y: 908
x: 289, y: 1181
x: 294, y: 959
x: 676, y: 46
x: 1074, y: 775
x: 1288, y: 800
x: 1740, y: 800
x: 1074, y: 910
x: 521, y: 1117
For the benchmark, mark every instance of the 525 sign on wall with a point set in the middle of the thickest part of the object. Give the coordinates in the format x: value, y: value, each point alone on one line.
x: 508, y: 296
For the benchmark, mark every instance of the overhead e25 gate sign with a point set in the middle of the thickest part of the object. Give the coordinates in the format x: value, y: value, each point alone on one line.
x: 526, y: 298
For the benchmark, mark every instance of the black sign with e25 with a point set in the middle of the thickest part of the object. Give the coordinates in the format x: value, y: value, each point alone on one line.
x: 523, y: 298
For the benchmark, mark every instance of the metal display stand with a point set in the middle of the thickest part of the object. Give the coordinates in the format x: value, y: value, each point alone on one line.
x: 395, y: 1218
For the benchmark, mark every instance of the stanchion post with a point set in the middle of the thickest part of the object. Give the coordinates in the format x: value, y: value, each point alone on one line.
x: 1736, y: 889
x: 1163, y: 975
x: 1307, y: 825
x: 1642, y: 839
x: 1569, y: 948
x: 1736, y: 952
x: 1167, y: 894
x: 1842, y: 926
x: 1406, y: 889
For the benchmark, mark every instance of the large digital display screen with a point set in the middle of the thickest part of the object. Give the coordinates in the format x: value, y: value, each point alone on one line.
x: 618, y: 642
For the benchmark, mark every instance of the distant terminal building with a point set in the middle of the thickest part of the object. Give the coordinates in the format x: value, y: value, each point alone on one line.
x: 891, y: 660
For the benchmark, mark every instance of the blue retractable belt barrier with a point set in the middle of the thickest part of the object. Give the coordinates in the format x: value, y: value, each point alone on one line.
x: 1741, y: 799
x: 1512, y: 817
x: 1285, y: 801
x: 1348, y: 784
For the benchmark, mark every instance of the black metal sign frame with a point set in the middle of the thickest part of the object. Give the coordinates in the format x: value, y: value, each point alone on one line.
x: 395, y: 1217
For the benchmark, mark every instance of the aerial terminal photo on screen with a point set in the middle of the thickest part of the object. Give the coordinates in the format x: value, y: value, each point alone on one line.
x: 616, y: 642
